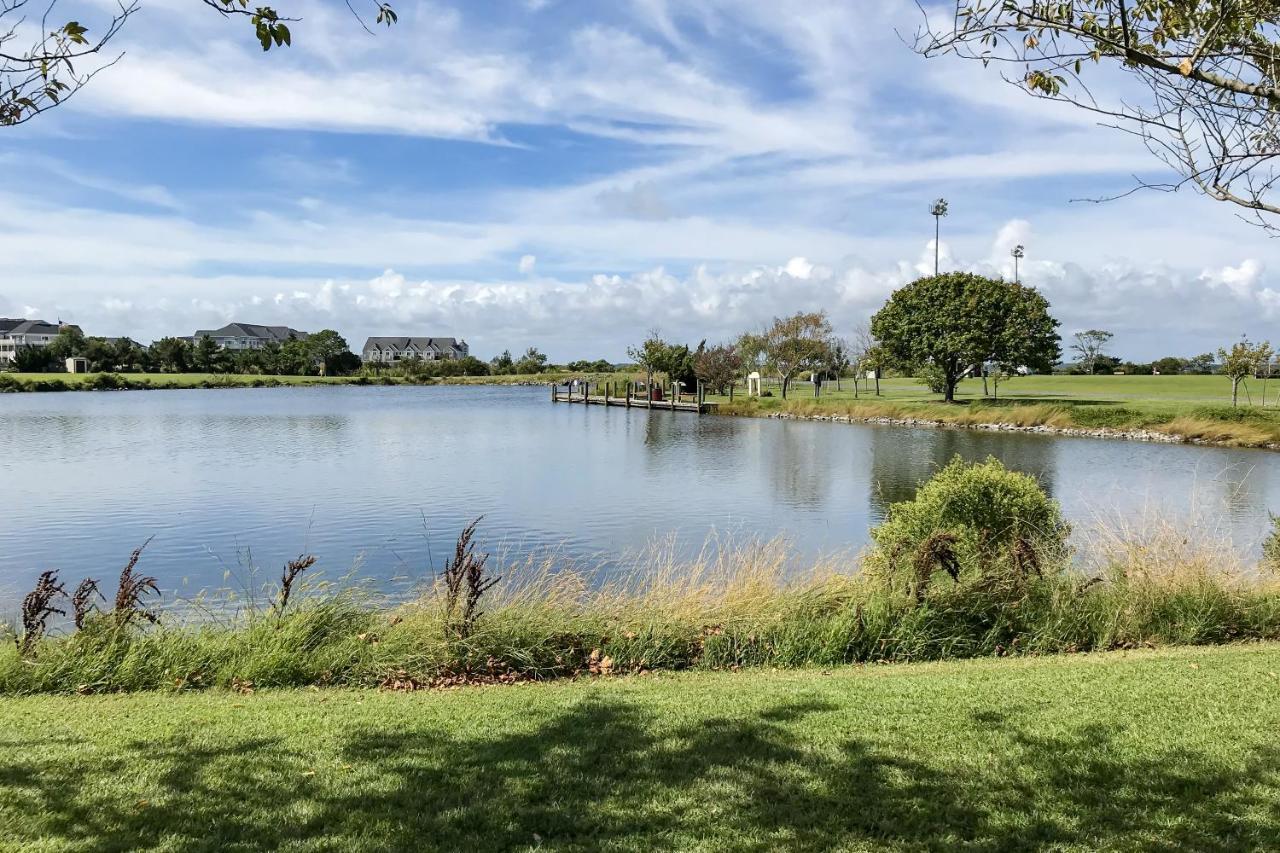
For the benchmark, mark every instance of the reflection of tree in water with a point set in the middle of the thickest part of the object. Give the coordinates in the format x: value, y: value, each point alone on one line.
x: 1241, y: 491
x: 800, y: 465
x: 902, y: 459
x: 662, y: 430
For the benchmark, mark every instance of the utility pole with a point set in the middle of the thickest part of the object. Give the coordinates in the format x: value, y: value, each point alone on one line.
x: 938, y: 211
x: 1018, y: 254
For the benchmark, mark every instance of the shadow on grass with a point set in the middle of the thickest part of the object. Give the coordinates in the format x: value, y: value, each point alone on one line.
x: 607, y: 775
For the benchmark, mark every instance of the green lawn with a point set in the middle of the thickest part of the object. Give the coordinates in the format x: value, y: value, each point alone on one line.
x: 1139, y: 390
x: 1191, y: 407
x: 1168, y: 750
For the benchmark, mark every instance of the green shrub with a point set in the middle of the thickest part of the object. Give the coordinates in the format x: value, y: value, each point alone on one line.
x: 1271, y: 546
x: 932, y: 377
x: 106, y: 382
x: 10, y: 383
x: 973, y: 521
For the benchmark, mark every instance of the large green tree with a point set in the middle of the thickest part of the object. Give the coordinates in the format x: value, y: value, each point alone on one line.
x: 948, y: 323
x: 1197, y: 80
x: 326, y: 347
x: 172, y: 355
x: 68, y: 52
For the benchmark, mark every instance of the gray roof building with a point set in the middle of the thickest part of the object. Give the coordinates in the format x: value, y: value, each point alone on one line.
x: 248, y: 335
x: 16, y: 333
x: 424, y: 348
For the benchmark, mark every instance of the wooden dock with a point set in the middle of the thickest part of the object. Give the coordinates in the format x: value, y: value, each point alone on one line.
x: 627, y: 399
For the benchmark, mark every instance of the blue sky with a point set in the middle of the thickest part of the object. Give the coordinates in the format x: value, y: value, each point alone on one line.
x: 572, y: 174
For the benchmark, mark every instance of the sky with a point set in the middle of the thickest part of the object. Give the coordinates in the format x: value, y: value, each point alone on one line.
x: 570, y: 175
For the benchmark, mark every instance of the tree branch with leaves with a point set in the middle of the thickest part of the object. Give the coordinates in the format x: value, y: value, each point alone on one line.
x: 46, y: 61
x: 1208, y: 70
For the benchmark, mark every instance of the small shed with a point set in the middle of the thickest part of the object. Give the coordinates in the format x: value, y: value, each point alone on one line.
x: 75, y: 364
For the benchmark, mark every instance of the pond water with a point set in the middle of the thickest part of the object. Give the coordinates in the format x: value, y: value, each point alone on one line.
x: 382, y: 479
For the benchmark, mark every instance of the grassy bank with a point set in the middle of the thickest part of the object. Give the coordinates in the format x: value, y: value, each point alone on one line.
x: 1193, y: 408
x: 739, y: 607
x: 1142, y: 750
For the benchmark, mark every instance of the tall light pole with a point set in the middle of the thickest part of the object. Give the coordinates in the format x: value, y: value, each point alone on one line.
x: 938, y: 210
x: 1018, y: 254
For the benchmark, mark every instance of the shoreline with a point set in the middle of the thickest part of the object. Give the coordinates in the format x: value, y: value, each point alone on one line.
x: 1112, y: 433
x: 1201, y: 431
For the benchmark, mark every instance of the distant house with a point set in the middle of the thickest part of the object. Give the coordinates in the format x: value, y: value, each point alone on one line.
x: 387, y: 350
x: 240, y: 336
x: 26, y: 333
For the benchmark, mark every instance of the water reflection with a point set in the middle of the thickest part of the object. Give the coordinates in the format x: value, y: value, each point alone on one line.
x: 903, y: 459
x: 385, y: 477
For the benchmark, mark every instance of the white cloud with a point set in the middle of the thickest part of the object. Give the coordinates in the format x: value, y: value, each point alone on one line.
x: 527, y: 263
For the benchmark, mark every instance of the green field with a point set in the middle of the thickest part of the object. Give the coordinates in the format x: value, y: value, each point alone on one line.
x: 1168, y: 750
x: 1191, y: 407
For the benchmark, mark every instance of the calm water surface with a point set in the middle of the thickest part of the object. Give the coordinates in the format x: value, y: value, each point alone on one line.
x: 383, y: 478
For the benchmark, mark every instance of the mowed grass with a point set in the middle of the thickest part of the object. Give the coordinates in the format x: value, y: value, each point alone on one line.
x: 1167, y: 750
x: 1190, y: 407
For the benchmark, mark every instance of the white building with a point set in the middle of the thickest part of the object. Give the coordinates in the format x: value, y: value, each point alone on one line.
x: 390, y: 350
x: 26, y: 333
x: 239, y: 336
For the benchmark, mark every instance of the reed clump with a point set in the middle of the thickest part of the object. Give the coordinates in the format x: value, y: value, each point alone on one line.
x: 976, y: 565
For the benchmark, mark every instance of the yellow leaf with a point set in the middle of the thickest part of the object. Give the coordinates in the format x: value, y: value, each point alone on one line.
x: 1185, y: 67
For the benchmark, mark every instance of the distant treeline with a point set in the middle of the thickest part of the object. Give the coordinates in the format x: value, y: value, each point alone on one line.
x: 324, y: 352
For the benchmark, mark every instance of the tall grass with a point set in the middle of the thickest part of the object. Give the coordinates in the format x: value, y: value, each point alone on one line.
x: 735, y: 605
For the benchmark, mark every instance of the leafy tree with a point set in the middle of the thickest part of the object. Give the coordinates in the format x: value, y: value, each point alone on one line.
x: 532, y: 361
x: 206, y: 355
x: 43, y: 75
x: 798, y: 343
x: 1207, y: 98
x: 172, y: 355
x: 1241, y: 361
x: 584, y: 366
x: 503, y: 364
x: 326, y: 346
x: 1170, y: 365
x: 651, y: 355
x: 949, y: 322
x: 295, y: 358
x: 69, y: 341
x: 32, y: 359
x: 1090, y: 345
x: 718, y: 367
x: 839, y: 360
x: 469, y: 365
x: 1201, y: 364
x: 678, y: 363
x: 866, y: 356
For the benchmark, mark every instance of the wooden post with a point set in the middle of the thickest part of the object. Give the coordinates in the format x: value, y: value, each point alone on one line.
x: 553, y: 392
x: 628, y: 393
x: 607, y: 387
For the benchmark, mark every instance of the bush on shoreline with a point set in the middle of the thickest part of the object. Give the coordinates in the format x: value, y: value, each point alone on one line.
x: 731, y: 607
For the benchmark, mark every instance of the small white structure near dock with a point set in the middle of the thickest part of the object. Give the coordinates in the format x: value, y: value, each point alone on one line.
x: 76, y: 364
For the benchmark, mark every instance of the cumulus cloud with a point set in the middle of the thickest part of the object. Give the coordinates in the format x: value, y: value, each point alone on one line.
x: 527, y: 263
x: 1153, y: 310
